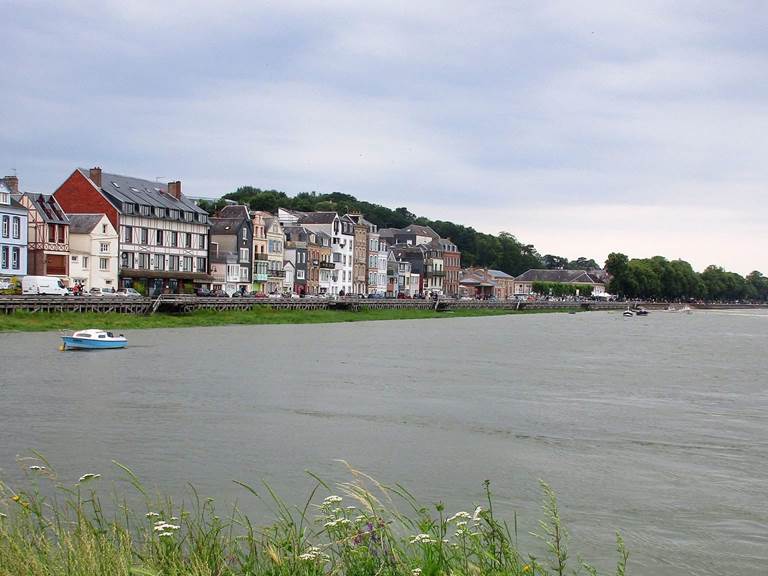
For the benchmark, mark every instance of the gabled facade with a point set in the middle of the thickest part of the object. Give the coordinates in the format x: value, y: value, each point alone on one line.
x: 361, y: 230
x: 275, y: 254
x: 14, y: 231
x: 93, y: 249
x: 48, y: 236
x: 260, y: 246
x: 483, y: 283
x: 426, y: 261
x: 232, y: 232
x: 297, y: 254
x: 163, y: 235
x: 452, y: 267
x: 341, y: 231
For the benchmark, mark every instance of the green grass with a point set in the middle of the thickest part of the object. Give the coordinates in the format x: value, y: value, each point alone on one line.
x: 42, y: 321
x: 60, y: 527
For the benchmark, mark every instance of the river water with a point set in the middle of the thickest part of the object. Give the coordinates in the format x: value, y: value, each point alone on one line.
x: 656, y: 427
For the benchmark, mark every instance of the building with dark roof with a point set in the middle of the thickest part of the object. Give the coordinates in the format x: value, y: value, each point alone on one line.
x: 48, y: 236
x: 93, y: 251
x: 231, y: 233
x: 14, y: 231
x: 163, y: 234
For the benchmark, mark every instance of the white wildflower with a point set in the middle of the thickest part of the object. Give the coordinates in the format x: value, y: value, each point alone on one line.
x: 476, y: 516
x: 459, y: 516
x: 174, y: 519
x: 422, y: 539
x: 164, y: 527
x: 416, y: 572
x: 165, y: 534
x: 332, y: 499
x: 152, y: 515
x: 89, y: 476
x: 37, y: 468
x: 314, y: 553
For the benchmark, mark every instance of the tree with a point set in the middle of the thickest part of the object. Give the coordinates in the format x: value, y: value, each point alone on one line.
x: 552, y: 262
x: 582, y: 263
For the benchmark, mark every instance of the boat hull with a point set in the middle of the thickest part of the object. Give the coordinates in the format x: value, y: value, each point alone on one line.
x: 72, y: 343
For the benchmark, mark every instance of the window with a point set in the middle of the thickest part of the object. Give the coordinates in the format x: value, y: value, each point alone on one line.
x: 62, y: 234
x: 201, y: 265
x: 4, y: 260
x: 128, y: 234
x: 6, y: 228
x: 85, y: 262
x: 144, y: 236
x: 103, y: 263
x: 159, y: 238
x: 173, y: 214
x: 243, y: 273
x: 233, y: 271
x: 103, y: 228
x: 299, y: 274
x: 74, y: 258
x: 143, y: 261
x: 188, y: 239
x: 16, y: 258
x: 104, y: 247
x: 127, y: 261
x: 173, y: 263
x: 174, y: 239
x: 51, y: 232
x: 128, y: 207
x: 245, y: 233
x: 16, y: 227
x: 201, y: 244
x: 188, y: 216
x: 336, y: 257
x: 159, y: 261
x: 144, y: 210
x: 187, y: 262
x: 244, y: 253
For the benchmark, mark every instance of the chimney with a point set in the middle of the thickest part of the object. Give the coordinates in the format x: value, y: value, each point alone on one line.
x: 174, y: 189
x: 12, y: 182
x: 95, y: 174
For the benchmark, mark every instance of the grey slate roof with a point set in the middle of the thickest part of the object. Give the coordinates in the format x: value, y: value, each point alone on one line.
x: 500, y: 274
x: 83, y: 223
x: 234, y: 211
x: 48, y: 208
x: 126, y: 189
x: 222, y: 226
x: 317, y: 218
x: 14, y: 203
x: 420, y: 231
x: 565, y: 276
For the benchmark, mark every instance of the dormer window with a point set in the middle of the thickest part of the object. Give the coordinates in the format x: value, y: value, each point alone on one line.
x: 129, y: 208
x: 144, y: 210
x: 173, y: 214
x: 188, y: 216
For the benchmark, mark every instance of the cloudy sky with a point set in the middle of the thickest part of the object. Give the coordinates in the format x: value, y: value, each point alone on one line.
x: 580, y: 127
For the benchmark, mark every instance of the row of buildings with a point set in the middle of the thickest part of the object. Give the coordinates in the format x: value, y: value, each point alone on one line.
x: 106, y: 230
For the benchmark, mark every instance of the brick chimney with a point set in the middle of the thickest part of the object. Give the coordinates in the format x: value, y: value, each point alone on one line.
x: 174, y: 189
x: 95, y: 174
x: 12, y: 182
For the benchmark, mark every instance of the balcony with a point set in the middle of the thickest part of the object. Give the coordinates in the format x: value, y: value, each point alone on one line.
x: 436, y: 273
x: 260, y: 257
x: 260, y: 277
x: 328, y: 265
x: 276, y: 274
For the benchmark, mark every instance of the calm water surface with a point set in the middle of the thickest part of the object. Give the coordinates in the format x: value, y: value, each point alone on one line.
x: 657, y: 426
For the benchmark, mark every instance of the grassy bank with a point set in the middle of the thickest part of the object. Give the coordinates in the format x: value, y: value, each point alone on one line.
x: 358, y: 528
x: 42, y: 321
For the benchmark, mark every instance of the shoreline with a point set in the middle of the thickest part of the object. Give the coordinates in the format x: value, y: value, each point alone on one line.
x: 51, y: 321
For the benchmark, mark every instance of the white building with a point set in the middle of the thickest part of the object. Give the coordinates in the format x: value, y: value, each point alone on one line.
x: 342, y: 233
x: 378, y: 254
x: 93, y: 251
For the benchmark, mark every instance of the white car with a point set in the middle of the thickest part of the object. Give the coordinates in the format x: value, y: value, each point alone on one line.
x: 128, y: 292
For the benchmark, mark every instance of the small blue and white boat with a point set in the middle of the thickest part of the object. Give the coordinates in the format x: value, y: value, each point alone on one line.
x: 93, y: 339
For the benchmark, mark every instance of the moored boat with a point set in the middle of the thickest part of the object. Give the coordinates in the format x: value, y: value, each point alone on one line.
x: 628, y: 313
x: 93, y: 339
x: 641, y: 312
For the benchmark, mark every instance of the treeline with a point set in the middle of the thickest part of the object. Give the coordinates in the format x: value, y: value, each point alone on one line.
x: 502, y: 252
x: 661, y: 279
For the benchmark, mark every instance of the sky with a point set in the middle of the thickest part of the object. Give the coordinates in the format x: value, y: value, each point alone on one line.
x: 580, y: 127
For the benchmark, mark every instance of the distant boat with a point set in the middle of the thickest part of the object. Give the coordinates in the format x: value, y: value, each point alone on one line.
x: 628, y: 313
x: 641, y: 312
x: 93, y: 339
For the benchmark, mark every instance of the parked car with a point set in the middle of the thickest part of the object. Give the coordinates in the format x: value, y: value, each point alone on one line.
x: 274, y: 295
x: 128, y: 292
x: 203, y: 291
x: 219, y: 293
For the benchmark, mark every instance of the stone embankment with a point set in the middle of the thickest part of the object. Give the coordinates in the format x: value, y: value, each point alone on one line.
x: 182, y: 304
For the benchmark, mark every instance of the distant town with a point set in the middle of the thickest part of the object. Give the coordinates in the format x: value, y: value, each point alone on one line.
x: 106, y: 234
